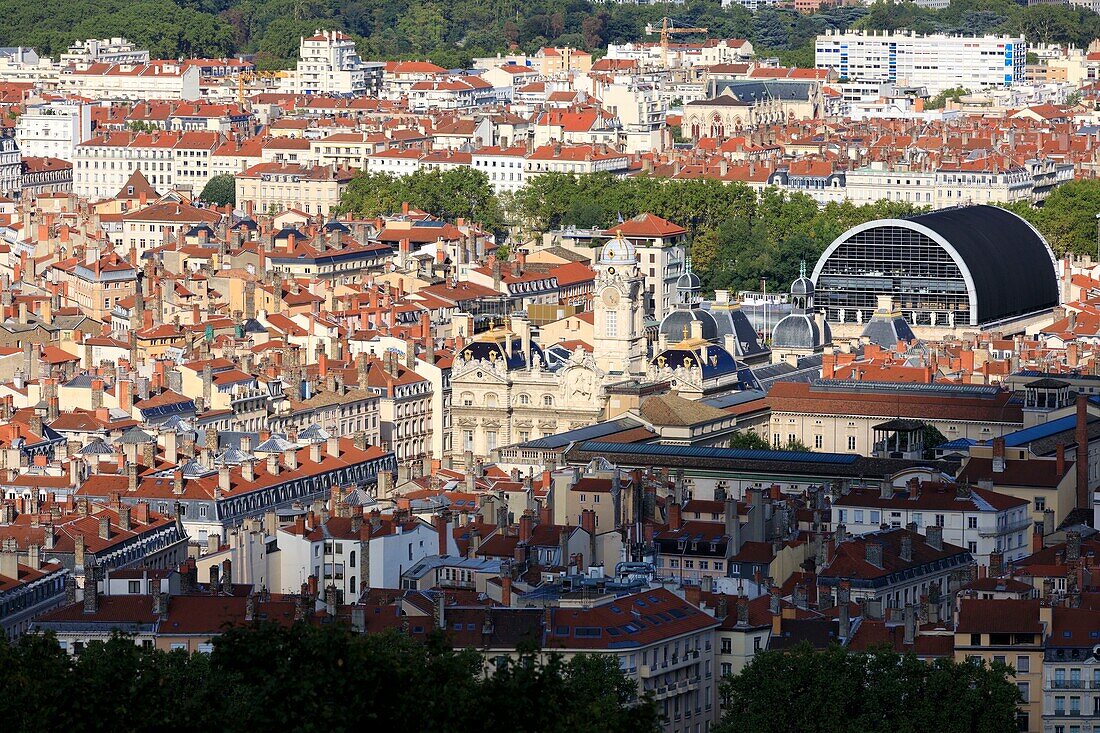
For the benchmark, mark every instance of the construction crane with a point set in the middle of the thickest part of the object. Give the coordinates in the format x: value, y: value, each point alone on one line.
x: 246, y: 77
x: 665, y: 30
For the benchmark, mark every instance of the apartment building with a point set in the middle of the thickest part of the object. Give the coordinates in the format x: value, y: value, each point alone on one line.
x: 137, y: 81
x: 313, y: 190
x: 972, y: 182
x: 53, y: 129
x: 1010, y: 632
x: 1071, y: 671
x: 329, y: 64
x: 670, y: 655
x: 503, y: 166
x: 103, y: 164
x: 980, y: 520
x: 935, y: 62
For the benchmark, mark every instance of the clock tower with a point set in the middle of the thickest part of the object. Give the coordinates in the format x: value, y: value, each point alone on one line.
x: 618, y: 310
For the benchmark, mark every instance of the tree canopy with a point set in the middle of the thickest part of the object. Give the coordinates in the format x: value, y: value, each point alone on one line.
x: 451, y: 32
x: 220, y: 190
x: 460, y: 192
x: 738, y: 237
x: 310, y: 678
x: 837, y: 691
x: 1067, y: 217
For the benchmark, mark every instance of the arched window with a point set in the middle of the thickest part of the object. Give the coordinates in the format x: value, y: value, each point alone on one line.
x: 467, y: 398
x: 547, y: 400
x: 351, y: 563
x: 525, y: 399
x: 491, y: 400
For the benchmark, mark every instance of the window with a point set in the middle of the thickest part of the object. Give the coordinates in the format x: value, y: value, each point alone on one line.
x: 611, y: 324
x: 939, y: 520
x: 875, y: 516
x: 1040, y: 504
x: 467, y: 440
x: 757, y: 643
x: 1023, y: 663
x: 547, y: 400
x: 134, y: 587
x: 857, y: 516
x: 971, y: 546
x: 525, y: 399
x: 179, y: 645
x: 727, y: 645
x: 851, y: 442
x: 971, y: 522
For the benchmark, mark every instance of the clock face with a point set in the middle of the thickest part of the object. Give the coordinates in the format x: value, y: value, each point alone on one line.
x: 610, y: 297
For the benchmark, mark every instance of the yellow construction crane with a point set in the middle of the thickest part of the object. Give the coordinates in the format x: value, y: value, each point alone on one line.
x: 667, y: 29
x: 245, y: 77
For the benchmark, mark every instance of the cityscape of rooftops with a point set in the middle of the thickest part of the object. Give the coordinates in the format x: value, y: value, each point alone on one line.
x: 700, y: 366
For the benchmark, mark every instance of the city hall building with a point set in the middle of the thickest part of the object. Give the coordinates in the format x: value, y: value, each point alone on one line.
x: 963, y: 268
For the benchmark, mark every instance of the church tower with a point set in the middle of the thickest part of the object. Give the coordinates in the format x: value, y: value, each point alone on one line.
x: 618, y: 310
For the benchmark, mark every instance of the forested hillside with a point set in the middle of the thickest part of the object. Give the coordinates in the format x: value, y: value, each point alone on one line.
x: 451, y: 31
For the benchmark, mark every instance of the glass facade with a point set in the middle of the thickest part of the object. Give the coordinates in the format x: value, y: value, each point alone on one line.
x: 917, y: 272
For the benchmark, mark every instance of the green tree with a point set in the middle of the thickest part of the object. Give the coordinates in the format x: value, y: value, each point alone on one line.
x: 837, y: 691
x: 940, y: 100
x: 747, y: 440
x: 220, y: 190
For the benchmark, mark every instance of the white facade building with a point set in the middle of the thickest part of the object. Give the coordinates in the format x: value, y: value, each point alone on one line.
x: 11, y: 173
x: 978, y: 520
x: 53, y: 129
x: 328, y: 64
x: 936, y: 62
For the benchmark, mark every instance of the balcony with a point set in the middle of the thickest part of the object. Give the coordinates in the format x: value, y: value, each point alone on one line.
x: 1067, y: 684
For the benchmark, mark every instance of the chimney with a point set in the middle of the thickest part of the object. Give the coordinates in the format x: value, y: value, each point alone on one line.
x: 332, y: 447
x: 996, y: 564
x: 104, y: 528
x: 91, y: 591
x: 526, y: 523
x: 1060, y: 459
x: 224, y: 482
x: 934, y: 536
x: 124, y: 518
x: 843, y: 598
x: 873, y: 553
x: 674, y: 516
x: 906, y: 552
x: 441, y: 522
x: 998, y: 455
x: 506, y: 588
x: 215, y: 575
x: 227, y: 576
x: 290, y: 459
x: 910, y: 624
x: 1084, y: 495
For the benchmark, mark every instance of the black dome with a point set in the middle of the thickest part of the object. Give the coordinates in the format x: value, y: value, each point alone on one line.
x: 799, y: 331
x: 673, y: 325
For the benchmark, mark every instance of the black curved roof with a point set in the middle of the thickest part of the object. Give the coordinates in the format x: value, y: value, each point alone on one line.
x: 1010, y: 264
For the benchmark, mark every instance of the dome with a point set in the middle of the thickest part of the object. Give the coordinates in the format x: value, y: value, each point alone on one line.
x: 688, y: 281
x: 673, y: 325
x: 800, y: 331
x: 618, y: 251
x: 802, y: 286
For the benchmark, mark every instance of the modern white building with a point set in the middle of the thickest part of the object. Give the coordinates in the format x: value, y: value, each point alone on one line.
x: 936, y: 62
x: 53, y: 129
x: 329, y: 64
x: 104, y: 51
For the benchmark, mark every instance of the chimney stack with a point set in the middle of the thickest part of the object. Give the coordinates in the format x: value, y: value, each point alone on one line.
x: 1084, y: 494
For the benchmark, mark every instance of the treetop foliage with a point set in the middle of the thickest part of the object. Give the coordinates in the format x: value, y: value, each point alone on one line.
x: 308, y: 678
x: 451, y: 32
